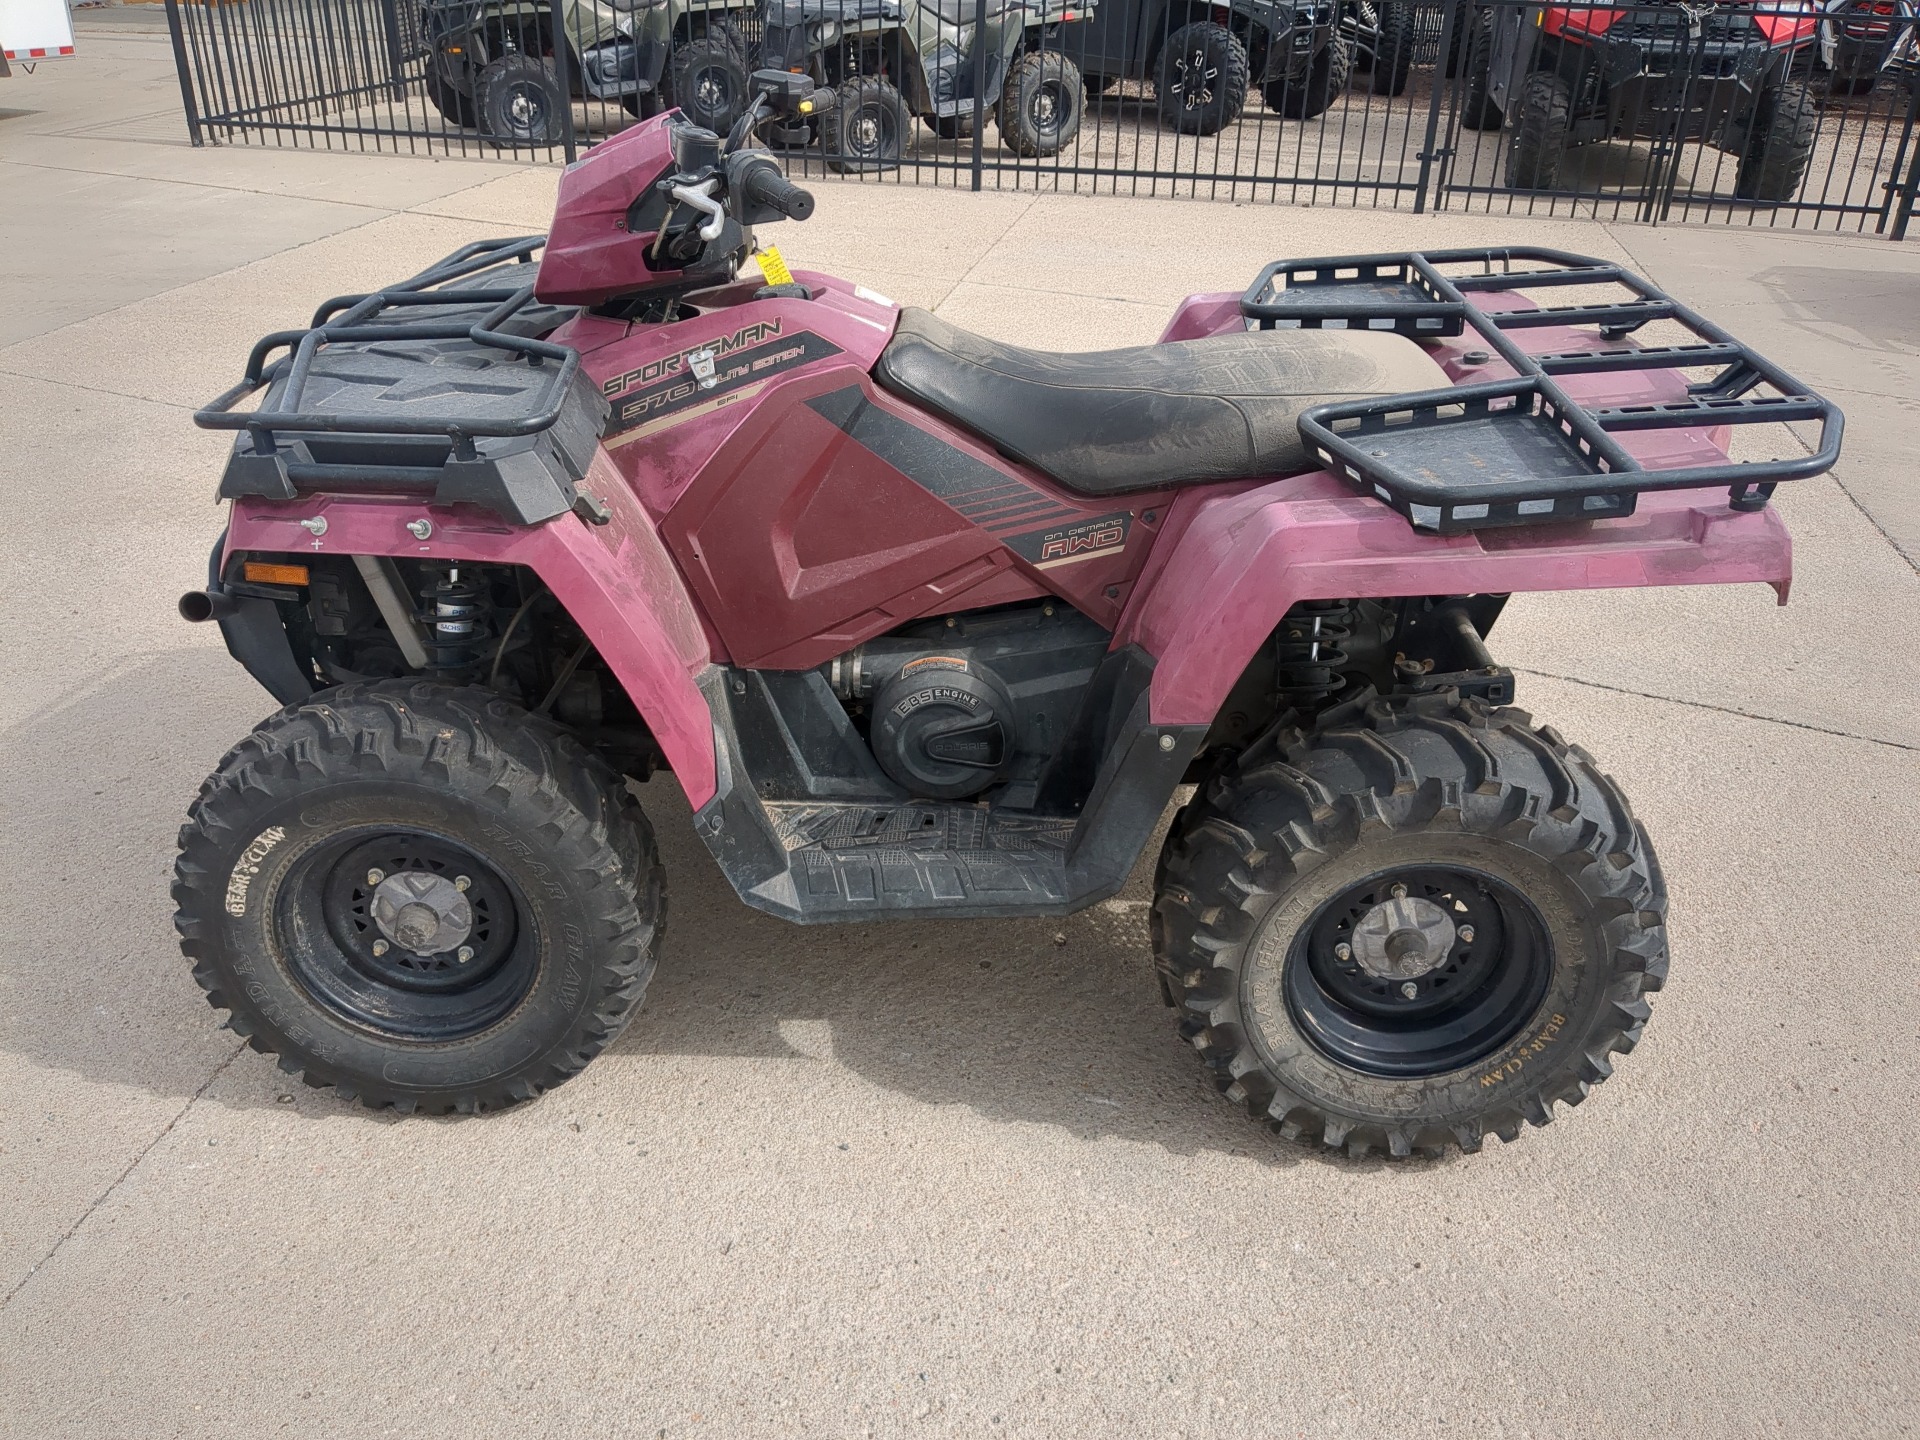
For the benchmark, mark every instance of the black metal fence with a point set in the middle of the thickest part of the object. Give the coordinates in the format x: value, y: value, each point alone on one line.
x: 1766, y: 113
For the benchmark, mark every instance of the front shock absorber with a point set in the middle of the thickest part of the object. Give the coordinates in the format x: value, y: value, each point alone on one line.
x: 1310, y: 652
x: 457, y: 623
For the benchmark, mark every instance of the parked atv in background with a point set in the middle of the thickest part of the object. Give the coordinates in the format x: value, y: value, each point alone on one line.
x: 492, y: 64
x: 926, y: 625
x: 1858, y: 39
x: 1720, y: 74
x: 887, y: 61
x: 1203, y: 59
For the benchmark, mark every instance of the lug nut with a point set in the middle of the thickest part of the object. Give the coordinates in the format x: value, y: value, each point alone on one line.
x: 464, y: 954
x: 374, y: 877
x: 1399, y: 892
x: 1466, y: 934
x: 1409, y: 990
x: 461, y: 882
x: 1343, y: 952
x: 379, y: 947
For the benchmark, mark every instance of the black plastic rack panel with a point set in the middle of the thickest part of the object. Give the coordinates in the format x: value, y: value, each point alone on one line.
x: 1521, y: 451
x: 437, y: 384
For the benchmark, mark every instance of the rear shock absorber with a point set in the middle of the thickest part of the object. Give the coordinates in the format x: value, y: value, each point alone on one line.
x: 1310, y: 652
x: 457, y: 628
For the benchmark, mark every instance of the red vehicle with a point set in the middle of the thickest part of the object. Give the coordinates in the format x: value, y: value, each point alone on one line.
x: 1717, y: 73
x: 925, y: 625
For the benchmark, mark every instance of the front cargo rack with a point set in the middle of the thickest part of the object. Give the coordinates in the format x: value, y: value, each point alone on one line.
x: 438, y: 384
x: 1522, y: 450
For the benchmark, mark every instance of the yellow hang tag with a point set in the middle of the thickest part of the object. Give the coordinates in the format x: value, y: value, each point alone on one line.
x: 773, y: 267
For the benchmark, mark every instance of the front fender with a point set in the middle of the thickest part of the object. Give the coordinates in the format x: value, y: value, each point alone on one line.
x: 616, y: 581
x: 1235, y: 564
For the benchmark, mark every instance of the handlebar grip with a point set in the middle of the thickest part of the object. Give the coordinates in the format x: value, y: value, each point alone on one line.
x: 767, y: 186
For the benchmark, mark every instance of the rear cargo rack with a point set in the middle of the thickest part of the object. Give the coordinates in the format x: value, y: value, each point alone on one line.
x: 1522, y: 450
x: 435, y: 384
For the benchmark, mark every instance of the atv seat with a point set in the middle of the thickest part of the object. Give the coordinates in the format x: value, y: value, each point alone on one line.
x: 1192, y: 411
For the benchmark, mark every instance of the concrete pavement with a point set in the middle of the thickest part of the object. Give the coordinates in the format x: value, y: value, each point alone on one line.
x: 934, y: 1179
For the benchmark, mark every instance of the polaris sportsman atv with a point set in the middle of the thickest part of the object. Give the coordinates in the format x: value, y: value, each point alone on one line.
x: 1719, y: 73
x: 927, y: 625
x: 887, y: 60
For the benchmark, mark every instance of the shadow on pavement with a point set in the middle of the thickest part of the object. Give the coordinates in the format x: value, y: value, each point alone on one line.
x: 1051, y: 1022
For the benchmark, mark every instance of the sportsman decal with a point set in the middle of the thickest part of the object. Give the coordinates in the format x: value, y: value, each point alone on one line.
x: 1048, y: 548
x: 703, y: 377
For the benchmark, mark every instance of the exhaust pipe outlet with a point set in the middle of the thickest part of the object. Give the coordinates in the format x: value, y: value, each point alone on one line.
x: 200, y: 606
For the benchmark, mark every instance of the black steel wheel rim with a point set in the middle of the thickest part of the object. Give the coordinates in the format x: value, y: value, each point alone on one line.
x: 870, y: 132
x: 527, y: 108
x: 338, y: 951
x: 1477, y: 996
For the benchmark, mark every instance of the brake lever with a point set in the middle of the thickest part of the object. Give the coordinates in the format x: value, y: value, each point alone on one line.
x: 700, y: 198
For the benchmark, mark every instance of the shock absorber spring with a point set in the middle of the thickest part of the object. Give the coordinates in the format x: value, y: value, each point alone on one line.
x: 1310, y: 652
x: 457, y: 628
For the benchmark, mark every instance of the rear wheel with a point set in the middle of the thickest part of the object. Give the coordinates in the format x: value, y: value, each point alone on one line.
x: 1041, y: 103
x: 710, y: 80
x: 1779, y: 145
x: 1541, y: 131
x: 1477, y: 108
x: 1201, y: 84
x: 519, y: 101
x: 866, y: 129
x: 1420, y: 924
x: 422, y: 896
x: 1327, y: 75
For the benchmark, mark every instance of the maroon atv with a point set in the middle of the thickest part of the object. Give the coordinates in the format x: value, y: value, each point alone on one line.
x: 925, y: 625
x: 1718, y: 73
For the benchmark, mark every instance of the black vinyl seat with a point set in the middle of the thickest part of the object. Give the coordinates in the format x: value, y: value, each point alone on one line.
x: 1222, y: 408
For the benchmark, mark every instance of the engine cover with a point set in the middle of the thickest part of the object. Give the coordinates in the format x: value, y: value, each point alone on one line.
x: 943, y: 727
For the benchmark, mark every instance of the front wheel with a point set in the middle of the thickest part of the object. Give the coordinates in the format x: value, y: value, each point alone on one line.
x: 519, y: 101
x: 866, y: 129
x: 1201, y: 86
x: 709, y: 80
x: 1326, y: 76
x: 1418, y: 924
x: 422, y: 896
x: 1041, y: 103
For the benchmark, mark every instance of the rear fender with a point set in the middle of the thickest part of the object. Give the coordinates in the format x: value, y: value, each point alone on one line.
x: 616, y: 581
x: 1231, y: 565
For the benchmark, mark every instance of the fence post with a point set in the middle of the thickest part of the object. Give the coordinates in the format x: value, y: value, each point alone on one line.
x: 563, y: 65
x: 979, y: 87
x: 1902, y: 191
x: 180, y: 68
x: 1428, y: 152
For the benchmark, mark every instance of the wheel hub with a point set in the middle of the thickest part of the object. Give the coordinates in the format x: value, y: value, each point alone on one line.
x: 1403, y: 938
x: 422, y: 912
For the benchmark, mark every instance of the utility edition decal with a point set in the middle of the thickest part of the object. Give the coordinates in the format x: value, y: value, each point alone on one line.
x: 703, y: 377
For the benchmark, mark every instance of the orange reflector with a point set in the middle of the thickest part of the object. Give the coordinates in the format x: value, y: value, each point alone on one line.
x: 270, y: 574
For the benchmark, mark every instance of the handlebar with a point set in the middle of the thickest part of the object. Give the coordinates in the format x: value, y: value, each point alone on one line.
x: 765, y: 185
